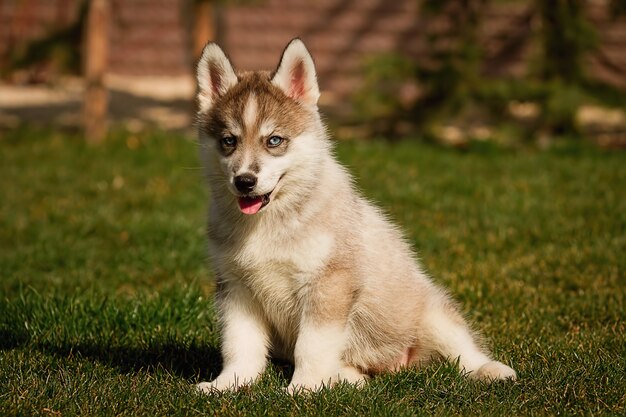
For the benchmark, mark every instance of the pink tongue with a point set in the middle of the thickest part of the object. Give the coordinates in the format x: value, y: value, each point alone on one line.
x: 250, y: 205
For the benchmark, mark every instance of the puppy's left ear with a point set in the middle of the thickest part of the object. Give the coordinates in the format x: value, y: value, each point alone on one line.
x: 296, y: 74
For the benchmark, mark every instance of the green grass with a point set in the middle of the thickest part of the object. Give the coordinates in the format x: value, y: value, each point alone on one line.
x: 105, y: 288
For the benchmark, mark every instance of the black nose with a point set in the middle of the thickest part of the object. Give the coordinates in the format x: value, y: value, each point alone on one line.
x: 245, y: 183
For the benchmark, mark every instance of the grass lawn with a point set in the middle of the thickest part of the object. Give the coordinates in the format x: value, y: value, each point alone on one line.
x: 105, y: 290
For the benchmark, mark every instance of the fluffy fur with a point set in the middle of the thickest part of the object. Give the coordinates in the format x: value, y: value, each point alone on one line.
x: 306, y: 268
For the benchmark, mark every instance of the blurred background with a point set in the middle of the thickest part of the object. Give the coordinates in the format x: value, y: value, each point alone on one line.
x: 450, y: 71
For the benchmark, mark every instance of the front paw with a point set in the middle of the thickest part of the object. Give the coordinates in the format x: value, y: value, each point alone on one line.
x: 222, y: 383
x: 313, y: 383
x: 302, y: 382
x: 206, y: 387
x: 298, y: 387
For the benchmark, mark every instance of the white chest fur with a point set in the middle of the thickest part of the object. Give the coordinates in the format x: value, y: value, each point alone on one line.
x: 277, y: 267
x: 300, y: 253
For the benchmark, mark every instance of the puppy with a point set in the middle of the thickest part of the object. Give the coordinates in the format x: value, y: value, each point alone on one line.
x: 307, y: 269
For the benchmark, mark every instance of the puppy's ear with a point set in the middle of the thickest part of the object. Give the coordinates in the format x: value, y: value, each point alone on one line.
x: 215, y: 76
x: 296, y: 74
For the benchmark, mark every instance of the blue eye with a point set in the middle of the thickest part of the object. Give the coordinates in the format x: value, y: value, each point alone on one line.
x: 274, y: 141
x: 228, y: 141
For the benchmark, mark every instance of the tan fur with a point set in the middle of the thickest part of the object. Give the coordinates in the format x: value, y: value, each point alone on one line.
x: 319, y: 275
x: 338, y: 286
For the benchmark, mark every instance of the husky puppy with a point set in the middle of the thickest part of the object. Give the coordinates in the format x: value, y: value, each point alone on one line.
x: 306, y: 268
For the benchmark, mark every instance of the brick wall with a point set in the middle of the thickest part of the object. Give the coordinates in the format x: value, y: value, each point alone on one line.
x: 152, y: 37
x: 22, y: 20
x: 148, y: 37
x: 609, y: 64
x: 342, y: 33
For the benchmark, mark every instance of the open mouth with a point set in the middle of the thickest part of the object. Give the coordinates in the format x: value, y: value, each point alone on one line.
x: 253, y: 204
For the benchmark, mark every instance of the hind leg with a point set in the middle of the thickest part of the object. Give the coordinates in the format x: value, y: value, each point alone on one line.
x: 448, y: 335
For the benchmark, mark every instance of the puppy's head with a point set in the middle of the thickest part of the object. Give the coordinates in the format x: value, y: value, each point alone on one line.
x: 259, y: 128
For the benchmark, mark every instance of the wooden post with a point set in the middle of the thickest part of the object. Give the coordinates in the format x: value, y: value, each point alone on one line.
x: 96, y: 53
x: 204, y: 25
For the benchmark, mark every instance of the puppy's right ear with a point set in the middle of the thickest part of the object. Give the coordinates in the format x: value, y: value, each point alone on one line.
x: 215, y: 76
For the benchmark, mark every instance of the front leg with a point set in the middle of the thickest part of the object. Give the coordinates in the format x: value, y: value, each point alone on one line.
x: 245, y: 340
x: 318, y: 358
x: 323, y: 335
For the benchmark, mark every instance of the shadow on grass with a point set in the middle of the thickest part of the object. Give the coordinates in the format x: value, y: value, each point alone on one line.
x: 188, y: 362
x: 11, y: 339
x: 22, y: 329
x: 194, y: 363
